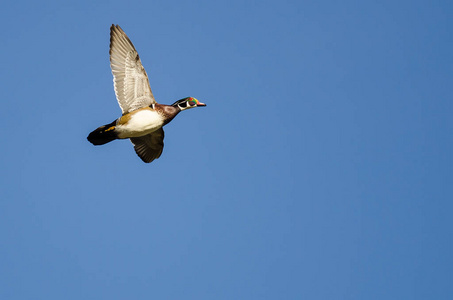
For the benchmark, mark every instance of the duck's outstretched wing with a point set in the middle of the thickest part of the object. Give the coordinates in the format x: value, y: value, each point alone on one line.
x: 129, y: 77
x: 149, y: 147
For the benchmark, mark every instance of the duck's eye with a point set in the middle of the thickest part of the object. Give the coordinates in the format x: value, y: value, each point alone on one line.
x: 192, y: 103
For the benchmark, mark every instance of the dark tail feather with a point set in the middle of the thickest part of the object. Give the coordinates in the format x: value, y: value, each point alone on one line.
x: 103, y: 134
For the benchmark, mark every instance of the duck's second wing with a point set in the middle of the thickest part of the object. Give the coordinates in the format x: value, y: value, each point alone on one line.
x: 149, y: 147
x: 129, y: 77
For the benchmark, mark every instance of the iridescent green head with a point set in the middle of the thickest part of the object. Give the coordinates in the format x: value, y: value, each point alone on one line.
x: 187, y: 103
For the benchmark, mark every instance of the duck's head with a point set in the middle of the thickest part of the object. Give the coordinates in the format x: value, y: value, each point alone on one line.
x: 187, y: 103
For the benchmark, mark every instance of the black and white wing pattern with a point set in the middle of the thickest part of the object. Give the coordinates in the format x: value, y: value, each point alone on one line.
x: 150, y: 146
x: 129, y: 77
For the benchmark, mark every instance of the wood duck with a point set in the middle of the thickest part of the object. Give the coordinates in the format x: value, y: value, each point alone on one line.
x: 143, y: 118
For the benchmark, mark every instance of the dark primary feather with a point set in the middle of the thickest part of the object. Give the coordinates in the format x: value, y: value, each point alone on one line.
x: 150, y: 146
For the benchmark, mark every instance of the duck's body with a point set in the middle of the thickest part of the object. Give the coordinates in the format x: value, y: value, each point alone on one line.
x: 138, y: 123
x: 143, y: 118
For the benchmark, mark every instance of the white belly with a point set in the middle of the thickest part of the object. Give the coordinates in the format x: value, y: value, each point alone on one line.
x: 141, y: 123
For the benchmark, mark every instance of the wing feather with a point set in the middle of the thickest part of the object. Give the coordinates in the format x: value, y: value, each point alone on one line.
x: 130, y: 80
x: 149, y: 147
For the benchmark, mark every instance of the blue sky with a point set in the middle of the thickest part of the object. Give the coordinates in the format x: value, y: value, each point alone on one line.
x: 320, y: 169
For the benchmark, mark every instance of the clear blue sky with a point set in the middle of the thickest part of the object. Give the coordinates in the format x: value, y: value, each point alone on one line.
x: 320, y: 169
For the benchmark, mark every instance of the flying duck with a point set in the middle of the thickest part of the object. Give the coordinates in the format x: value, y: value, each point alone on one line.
x: 143, y: 118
